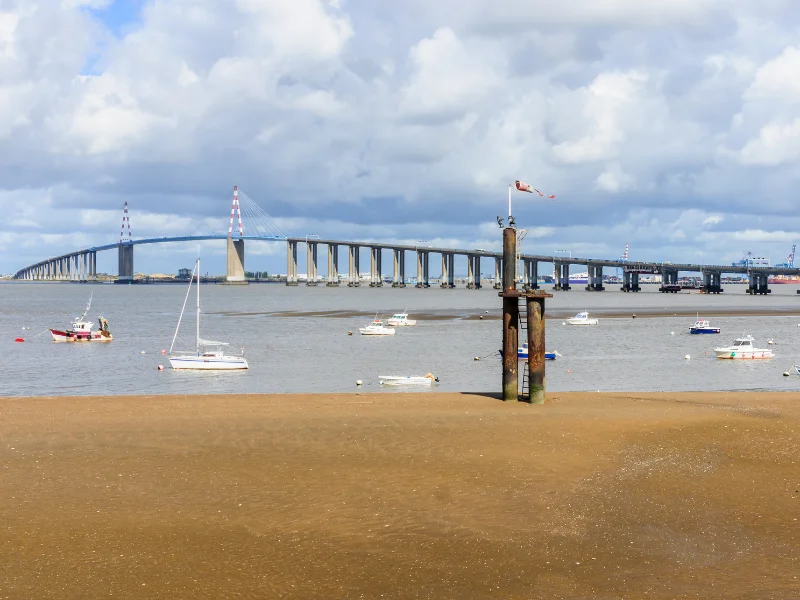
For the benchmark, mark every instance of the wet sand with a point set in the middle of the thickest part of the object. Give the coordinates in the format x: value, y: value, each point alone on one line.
x: 428, y: 495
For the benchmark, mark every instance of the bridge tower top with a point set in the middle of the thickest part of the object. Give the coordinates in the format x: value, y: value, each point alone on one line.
x: 236, y: 208
x: 125, y: 219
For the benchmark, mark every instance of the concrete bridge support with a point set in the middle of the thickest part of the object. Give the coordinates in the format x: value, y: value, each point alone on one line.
x: 375, y: 273
x: 447, y: 282
x: 630, y: 282
x: 235, y: 270
x: 561, y: 274
x: 595, y: 280
x: 498, y: 273
x: 333, y: 265
x: 423, y: 264
x: 473, y: 272
x: 291, y: 263
x: 125, y: 260
x: 669, y: 281
x: 758, y: 284
x: 311, y: 263
x: 399, y: 275
x: 530, y: 269
x: 354, y: 266
x: 712, y: 282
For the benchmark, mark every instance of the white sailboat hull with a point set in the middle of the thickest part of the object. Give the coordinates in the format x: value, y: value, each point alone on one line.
x: 208, y: 363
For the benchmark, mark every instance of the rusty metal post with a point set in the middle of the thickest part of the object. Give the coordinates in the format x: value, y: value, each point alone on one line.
x: 510, y: 317
x: 536, y: 385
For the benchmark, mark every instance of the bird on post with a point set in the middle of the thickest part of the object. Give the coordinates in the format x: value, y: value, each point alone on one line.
x: 500, y: 221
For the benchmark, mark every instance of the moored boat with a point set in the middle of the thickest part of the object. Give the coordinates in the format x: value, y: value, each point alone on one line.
x: 376, y: 327
x: 82, y: 330
x: 401, y: 320
x: 702, y: 326
x: 522, y: 353
x: 582, y: 318
x: 742, y: 348
x: 207, y: 355
x: 428, y: 379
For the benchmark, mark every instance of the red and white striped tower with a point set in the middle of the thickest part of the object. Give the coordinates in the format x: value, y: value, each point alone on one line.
x: 625, y: 256
x: 235, y: 207
x: 125, y: 219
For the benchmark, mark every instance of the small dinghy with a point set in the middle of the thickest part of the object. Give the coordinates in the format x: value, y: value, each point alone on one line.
x: 428, y: 379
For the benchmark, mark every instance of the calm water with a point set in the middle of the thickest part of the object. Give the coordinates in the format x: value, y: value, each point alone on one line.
x: 315, y: 354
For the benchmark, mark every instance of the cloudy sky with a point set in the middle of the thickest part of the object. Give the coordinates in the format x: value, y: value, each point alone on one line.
x: 669, y: 125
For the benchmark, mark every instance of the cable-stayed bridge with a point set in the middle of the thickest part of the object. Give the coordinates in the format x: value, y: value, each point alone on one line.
x: 248, y: 221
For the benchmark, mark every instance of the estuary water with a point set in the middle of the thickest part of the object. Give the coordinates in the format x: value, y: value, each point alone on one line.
x: 291, y: 348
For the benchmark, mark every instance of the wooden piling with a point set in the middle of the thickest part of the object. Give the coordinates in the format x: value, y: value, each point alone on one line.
x: 536, y: 378
x: 510, y: 317
x: 536, y: 330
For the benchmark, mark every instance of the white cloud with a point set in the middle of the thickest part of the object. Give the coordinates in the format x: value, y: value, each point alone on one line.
x: 614, y: 180
x: 447, y: 77
x: 602, y: 108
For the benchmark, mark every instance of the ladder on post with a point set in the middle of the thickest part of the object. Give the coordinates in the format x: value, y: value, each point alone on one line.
x: 522, y: 332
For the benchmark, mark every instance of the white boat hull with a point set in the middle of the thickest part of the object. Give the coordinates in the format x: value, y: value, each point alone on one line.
x: 754, y: 354
x: 208, y: 363
x: 401, y: 322
x: 376, y: 331
x: 582, y: 321
x: 407, y: 380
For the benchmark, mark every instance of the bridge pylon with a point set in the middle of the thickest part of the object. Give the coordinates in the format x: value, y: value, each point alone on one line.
x: 235, y: 251
x: 125, y: 250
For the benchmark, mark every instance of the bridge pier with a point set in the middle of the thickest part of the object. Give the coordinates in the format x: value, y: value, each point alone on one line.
x: 561, y: 275
x: 353, y: 266
x: 473, y: 272
x: 497, y: 284
x: 235, y: 261
x: 630, y: 282
x: 712, y: 281
x: 375, y: 274
x: 422, y: 269
x: 311, y: 263
x: 125, y: 260
x: 758, y: 284
x: 594, y: 282
x: 399, y: 264
x: 530, y: 269
x: 669, y: 282
x: 291, y: 262
x: 333, y: 265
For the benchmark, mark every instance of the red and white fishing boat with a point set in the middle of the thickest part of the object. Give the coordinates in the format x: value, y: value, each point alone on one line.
x: 82, y: 330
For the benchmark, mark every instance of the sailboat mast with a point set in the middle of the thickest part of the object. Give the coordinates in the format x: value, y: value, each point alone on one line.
x: 197, y: 335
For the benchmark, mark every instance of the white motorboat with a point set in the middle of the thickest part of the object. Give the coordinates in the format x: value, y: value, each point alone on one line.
x: 400, y: 320
x: 428, y: 379
x: 376, y: 327
x: 702, y: 326
x: 208, y: 354
x: 582, y: 318
x: 743, y: 348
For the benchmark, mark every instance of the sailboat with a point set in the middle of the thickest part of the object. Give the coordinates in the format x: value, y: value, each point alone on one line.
x: 207, y: 354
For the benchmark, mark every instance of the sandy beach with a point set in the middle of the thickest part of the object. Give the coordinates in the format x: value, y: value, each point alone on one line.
x: 428, y: 495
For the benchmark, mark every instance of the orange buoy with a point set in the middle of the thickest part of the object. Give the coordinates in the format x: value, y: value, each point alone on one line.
x: 163, y: 351
x: 160, y: 367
